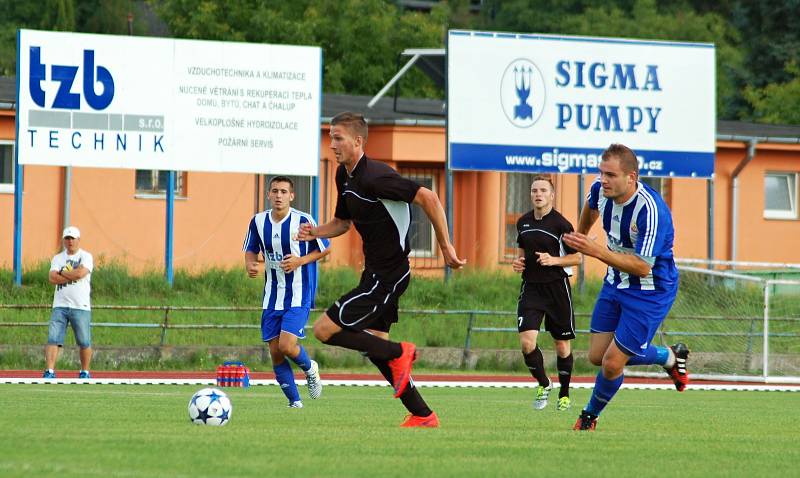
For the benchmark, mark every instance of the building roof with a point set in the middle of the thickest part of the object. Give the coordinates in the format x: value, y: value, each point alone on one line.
x: 409, y: 111
x: 768, y: 133
x: 428, y: 112
x: 8, y: 92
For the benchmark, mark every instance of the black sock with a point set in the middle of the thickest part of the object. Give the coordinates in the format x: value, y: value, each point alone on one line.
x: 411, y: 398
x: 564, y: 374
x: 535, y: 363
x: 363, y: 342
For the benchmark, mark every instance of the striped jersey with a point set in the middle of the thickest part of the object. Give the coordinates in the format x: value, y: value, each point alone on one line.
x: 641, y: 226
x: 276, y: 240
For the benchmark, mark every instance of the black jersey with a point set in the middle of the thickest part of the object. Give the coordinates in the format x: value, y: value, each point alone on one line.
x: 543, y: 235
x: 377, y: 199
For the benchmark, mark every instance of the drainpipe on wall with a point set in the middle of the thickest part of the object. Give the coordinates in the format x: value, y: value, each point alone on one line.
x: 751, y: 153
x: 65, y: 217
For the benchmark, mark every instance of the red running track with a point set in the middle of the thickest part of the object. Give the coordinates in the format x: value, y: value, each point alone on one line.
x: 136, y: 374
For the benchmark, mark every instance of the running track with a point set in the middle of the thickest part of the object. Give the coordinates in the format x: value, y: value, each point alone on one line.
x: 422, y: 380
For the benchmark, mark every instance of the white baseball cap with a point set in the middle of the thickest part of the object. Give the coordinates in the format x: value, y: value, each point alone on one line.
x: 72, y: 231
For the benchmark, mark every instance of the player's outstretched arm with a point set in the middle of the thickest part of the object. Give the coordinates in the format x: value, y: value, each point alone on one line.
x: 588, y: 218
x: 251, y: 264
x: 334, y: 228
x: 429, y: 202
x: 628, y: 263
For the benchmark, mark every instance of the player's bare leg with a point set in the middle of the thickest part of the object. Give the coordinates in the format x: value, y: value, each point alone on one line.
x: 598, y: 344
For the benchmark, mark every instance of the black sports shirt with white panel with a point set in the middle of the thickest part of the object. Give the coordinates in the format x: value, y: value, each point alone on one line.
x: 377, y: 199
x: 543, y: 235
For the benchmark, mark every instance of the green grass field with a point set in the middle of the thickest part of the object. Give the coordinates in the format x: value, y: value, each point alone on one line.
x: 144, y: 431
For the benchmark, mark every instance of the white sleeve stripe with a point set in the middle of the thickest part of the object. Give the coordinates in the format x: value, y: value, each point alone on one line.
x: 246, y: 239
x: 653, y: 236
x: 648, y: 216
x: 651, y: 209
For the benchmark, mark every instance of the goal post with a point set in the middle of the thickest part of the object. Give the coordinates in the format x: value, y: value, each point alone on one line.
x: 741, y: 323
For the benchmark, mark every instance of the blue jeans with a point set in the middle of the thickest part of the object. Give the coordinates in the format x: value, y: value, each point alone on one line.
x: 81, y: 321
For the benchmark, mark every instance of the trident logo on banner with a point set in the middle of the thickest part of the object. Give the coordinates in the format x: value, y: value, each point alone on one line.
x: 522, y: 93
x: 522, y: 80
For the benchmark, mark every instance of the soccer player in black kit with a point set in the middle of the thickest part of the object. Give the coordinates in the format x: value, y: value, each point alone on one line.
x: 375, y: 198
x: 545, y: 263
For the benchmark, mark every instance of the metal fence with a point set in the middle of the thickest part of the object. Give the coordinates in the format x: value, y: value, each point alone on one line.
x: 750, y: 335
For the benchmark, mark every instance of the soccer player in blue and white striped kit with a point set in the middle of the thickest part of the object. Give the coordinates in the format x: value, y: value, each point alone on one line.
x: 641, y: 283
x: 290, y: 273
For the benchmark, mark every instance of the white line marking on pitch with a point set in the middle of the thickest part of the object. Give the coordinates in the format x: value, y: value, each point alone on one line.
x: 381, y: 383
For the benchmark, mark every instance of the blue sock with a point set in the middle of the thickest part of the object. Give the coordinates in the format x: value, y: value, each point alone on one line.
x: 302, y: 360
x: 604, y: 391
x: 652, y: 356
x: 285, y: 378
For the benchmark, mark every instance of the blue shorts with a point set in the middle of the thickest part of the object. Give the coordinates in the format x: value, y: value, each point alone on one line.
x: 81, y: 321
x: 292, y: 321
x: 633, y: 315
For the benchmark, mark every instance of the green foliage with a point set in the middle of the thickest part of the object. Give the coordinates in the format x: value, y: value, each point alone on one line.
x: 642, y: 19
x: 772, y: 35
x: 144, y: 431
x: 87, y: 16
x: 361, y: 39
x: 777, y: 103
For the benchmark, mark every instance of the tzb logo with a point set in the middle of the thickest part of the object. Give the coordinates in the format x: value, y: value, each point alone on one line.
x: 65, y: 75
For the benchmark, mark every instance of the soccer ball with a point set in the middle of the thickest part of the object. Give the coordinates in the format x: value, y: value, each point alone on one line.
x: 210, y: 406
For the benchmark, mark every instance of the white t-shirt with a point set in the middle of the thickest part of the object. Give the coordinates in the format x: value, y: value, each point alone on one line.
x: 74, y: 295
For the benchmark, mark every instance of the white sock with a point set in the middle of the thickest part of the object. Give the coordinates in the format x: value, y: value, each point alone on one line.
x: 671, y: 359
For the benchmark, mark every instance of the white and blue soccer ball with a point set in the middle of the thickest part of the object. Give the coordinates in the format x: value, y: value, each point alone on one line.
x: 210, y: 406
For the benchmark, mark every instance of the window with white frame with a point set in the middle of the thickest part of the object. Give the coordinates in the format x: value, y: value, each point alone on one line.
x: 780, y: 195
x: 6, y: 166
x: 420, y: 233
x: 152, y: 182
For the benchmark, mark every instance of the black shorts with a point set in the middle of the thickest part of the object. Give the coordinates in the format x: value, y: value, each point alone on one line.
x: 372, y: 304
x: 551, y: 301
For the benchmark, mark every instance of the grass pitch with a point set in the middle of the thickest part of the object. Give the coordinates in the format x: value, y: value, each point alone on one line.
x: 144, y: 431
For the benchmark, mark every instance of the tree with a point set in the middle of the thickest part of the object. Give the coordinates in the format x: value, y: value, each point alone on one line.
x: 777, y: 103
x: 360, y: 39
x: 88, y: 16
x: 642, y: 19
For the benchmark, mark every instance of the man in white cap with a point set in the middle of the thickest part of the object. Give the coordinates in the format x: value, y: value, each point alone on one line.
x: 71, y: 273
